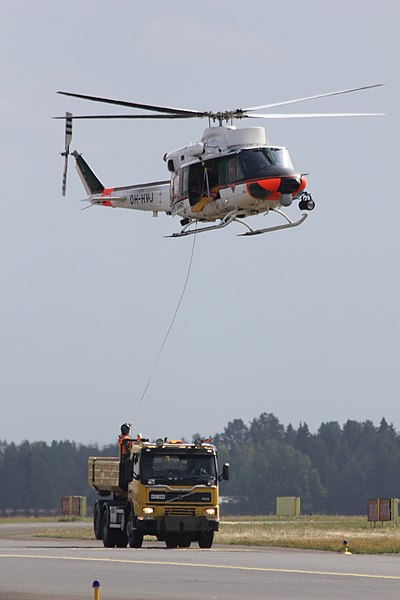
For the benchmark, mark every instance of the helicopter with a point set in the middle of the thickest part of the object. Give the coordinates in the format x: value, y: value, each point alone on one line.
x: 229, y: 175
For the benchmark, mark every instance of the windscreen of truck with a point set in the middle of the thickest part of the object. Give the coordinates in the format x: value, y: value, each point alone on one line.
x: 178, y: 468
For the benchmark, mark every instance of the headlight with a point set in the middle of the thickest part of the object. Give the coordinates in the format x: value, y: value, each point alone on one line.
x: 148, y: 510
x: 210, y: 512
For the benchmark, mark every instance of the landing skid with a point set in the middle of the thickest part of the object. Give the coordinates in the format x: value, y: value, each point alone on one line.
x: 287, y: 225
x: 229, y: 218
x: 232, y: 217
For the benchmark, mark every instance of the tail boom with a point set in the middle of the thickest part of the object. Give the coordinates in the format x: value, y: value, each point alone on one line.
x: 153, y: 197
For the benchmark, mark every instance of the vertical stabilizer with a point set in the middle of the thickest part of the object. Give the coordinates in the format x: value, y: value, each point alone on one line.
x: 90, y: 181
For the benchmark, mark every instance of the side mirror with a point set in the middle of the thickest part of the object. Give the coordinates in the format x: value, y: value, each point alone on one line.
x: 225, y: 472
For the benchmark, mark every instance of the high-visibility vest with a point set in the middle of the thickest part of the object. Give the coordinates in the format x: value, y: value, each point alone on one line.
x: 125, y: 444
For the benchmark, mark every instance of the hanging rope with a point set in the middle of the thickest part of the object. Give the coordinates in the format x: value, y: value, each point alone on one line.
x: 205, y: 193
x: 168, y: 331
x: 207, y: 182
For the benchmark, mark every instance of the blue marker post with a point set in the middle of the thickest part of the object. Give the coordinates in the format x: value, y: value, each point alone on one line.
x: 96, y: 589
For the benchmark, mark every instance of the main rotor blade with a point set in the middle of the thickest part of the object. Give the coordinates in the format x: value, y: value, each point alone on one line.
x: 366, y: 87
x: 162, y: 109
x: 168, y: 116
x: 308, y: 115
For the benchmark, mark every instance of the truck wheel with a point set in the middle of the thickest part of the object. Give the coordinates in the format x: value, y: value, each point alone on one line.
x: 97, y: 524
x: 109, y: 537
x: 206, y: 539
x: 121, y: 538
x: 172, y: 540
x: 135, y: 538
x: 184, y: 541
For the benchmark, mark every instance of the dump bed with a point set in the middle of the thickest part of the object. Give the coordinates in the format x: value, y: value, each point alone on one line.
x: 103, y: 474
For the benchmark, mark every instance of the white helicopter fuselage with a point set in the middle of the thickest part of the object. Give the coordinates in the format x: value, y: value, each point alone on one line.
x: 215, y: 176
x: 209, y: 179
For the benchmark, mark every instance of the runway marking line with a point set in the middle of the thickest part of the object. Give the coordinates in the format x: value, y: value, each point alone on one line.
x: 202, y: 565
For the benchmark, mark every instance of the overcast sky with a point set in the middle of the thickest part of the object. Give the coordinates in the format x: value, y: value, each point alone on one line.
x: 303, y: 323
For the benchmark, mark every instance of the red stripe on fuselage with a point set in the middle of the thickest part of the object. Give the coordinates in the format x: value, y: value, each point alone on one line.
x: 107, y: 192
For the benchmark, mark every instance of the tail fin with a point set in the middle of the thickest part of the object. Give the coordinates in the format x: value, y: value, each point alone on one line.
x: 90, y: 181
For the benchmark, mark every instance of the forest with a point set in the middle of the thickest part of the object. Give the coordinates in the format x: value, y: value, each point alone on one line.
x: 334, y: 470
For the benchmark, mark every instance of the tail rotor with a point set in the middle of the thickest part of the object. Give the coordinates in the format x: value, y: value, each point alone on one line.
x: 68, y: 138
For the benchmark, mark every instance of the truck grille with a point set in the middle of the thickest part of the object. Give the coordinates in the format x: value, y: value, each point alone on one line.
x: 180, y: 510
x: 180, y: 497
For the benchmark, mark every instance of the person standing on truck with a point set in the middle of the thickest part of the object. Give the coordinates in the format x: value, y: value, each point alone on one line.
x: 125, y: 442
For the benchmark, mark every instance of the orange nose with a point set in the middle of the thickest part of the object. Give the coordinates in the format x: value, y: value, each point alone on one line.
x: 302, y: 185
x: 270, y: 185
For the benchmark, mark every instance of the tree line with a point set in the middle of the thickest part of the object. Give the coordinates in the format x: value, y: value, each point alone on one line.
x: 35, y: 475
x: 334, y: 470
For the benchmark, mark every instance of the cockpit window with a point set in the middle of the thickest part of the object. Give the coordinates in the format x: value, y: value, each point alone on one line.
x: 234, y: 169
x: 257, y: 160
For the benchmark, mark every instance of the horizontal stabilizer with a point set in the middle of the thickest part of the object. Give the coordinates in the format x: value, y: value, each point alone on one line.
x: 109, y: 198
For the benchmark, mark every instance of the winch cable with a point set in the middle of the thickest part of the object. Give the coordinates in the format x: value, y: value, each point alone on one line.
x: 136, y: 410
x: 206, y: 181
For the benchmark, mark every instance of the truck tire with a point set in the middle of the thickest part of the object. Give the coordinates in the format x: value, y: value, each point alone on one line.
x: 172, y: 540
x: 97, y: 522
x: 185, y: 540
x: 206, y: 539
x: 135, y: 538
x: 109, y: 537
x: 121, y: 538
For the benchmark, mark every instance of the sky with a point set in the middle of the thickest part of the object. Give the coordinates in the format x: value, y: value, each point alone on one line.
x: 302, y: 323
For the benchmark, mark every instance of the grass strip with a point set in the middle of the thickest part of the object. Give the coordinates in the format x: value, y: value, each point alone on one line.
x: 319, y: 532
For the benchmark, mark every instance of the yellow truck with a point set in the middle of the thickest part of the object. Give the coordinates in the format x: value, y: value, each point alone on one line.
x: 167, y: 489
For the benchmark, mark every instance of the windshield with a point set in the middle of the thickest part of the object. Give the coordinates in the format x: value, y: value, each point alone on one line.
x: 257, y: 160
x: 178, y: 468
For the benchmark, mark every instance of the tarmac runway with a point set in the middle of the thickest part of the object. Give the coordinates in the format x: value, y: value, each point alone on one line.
x: 62, y: 570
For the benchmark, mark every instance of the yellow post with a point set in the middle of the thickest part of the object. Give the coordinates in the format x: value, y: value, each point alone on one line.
x: 346, y: 547
x: 82, y: 507
x: 96, y: 589
x: 394, y: 511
